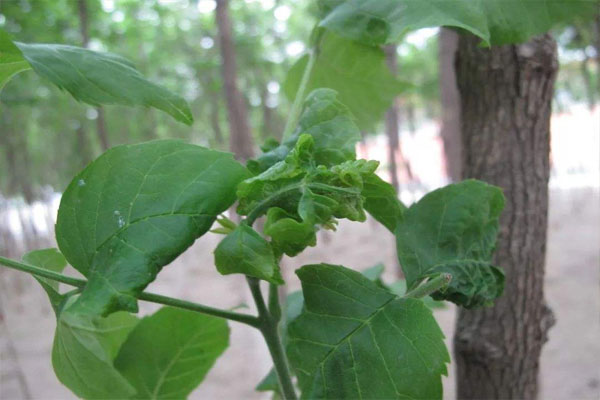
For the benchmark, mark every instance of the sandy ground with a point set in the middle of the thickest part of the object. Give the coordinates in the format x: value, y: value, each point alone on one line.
x: 570, y: 361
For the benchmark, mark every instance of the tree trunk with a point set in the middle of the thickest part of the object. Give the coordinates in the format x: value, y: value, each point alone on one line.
x: 590, y: 91
x: 506, y: 96
x: 392, y: 123
x: 240, y: 137
x: 450, y: 102
x: 85, y: 40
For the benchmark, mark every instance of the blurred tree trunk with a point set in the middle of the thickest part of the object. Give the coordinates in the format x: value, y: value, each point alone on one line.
x: 85, y: 39
x: 240, y: 137
x: 392, y: 122
x: 506, y: 96
x: 450, y: 102
x: 17, y: 157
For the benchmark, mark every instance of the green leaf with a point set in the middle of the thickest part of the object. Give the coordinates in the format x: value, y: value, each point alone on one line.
x: 134, y: 210
x: 329, y: 123
x: 244, y: 251
x: 100, y: 78
x: 84, y: 350
x: 497, y: 22
x: 453, y: 230
x: 11, y: 59
x: 356, y: 71
x: 381, y: 201
x: 289, y: 234
x: 52, y: 260
x: 354, y: 339
x: 168, y: 354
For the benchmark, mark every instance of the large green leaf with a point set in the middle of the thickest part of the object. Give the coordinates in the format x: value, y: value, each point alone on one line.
x: 244, y: 251
x: 168, y: 354
x: 354, y: 339
x: 52, y: 260
x: 134, y: 210
x: 357, y: 72
x: 84, y: 350
x: 11, y: 59
x: 329, y: 123
x: 453, y: 230
x: 376, y: 22
x: 94, y: 77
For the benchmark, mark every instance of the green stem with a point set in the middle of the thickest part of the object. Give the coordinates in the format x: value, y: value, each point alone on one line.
x: 296, y: 109
x: 437, y: 283
x: 274, y: 306
x: 144, y: 296
x: 268, y: 328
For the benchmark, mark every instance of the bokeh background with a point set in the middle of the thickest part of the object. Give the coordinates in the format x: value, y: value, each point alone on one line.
x: 46, y: 137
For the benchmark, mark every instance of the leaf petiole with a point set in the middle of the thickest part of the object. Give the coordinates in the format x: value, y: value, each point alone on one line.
x: 144, y: 296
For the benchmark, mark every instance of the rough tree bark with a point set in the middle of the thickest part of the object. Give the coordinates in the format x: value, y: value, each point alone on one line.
x: 240, y: 137
x: 85, y: 39
x: 506, y: 95
x: 450, y: 102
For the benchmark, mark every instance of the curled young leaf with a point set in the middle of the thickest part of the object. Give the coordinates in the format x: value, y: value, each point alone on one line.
x: 453, y: 230
x: 353, y: 339
x: 329, y: 123
x: 244, y: 251
x: 134, y: 210
x: 306, y: 195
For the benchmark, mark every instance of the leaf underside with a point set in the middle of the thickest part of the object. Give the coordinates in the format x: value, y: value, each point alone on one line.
x: 497, y: 22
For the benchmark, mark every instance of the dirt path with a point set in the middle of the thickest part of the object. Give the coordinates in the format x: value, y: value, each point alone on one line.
x: 570, y: 361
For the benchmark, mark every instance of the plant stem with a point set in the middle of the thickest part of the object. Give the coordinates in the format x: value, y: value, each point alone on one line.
x: 144, y: 296
x: 437, y: 283
x: 294, y: 115
x: 268, y: 328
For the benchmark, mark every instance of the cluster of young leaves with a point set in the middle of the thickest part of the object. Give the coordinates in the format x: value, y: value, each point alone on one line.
x: 123, y: 357
x: 308, y: 182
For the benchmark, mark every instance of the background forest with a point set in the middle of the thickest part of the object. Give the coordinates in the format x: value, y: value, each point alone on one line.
x: 47, y: 136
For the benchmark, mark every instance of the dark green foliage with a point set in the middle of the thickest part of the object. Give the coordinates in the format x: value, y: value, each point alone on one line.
x: 134, y: 210
x: 454, y: 230
x: 354, y: 339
